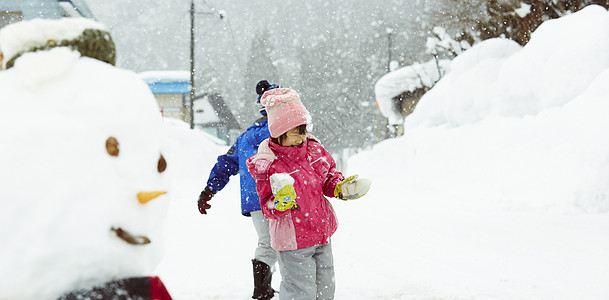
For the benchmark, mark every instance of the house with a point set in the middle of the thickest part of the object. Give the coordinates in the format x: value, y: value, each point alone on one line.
x: 398, y: 92
x: 12, y: 11
x: 172, y: 92
x: 211, y: 114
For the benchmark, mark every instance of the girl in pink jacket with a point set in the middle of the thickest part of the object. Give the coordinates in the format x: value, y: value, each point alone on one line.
x: 294, y: 174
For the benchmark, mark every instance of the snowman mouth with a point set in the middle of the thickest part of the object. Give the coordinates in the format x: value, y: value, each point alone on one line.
x: 130, y: 238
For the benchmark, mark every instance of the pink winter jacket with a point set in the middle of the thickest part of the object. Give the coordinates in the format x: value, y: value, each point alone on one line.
x: 315, y: 175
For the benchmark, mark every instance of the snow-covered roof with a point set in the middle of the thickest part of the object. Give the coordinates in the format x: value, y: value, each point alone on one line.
x: 167, y: 82
x: 211, y: 111
x: 165, y: 76
x: 406, y: 79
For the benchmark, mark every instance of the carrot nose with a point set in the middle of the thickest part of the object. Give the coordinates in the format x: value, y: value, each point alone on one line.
x: 144, y: 197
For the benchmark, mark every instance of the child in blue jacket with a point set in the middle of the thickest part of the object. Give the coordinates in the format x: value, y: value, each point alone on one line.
x: 230, y: 164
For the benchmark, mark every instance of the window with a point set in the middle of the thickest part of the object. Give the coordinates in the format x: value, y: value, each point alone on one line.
x: 8, y: 17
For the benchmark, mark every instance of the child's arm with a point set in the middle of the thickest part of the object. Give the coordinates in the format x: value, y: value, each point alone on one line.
x: 333, y: 176
x: 259, y: 170
x: 227, y: 166
x: 337, y: 186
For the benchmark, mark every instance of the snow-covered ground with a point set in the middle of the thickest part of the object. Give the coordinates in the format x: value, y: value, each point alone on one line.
x: 498, y: 190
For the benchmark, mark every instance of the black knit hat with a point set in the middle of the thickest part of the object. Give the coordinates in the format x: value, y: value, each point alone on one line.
x: 261, y: 87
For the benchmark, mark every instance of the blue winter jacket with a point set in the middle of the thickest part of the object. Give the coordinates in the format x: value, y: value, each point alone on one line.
x: 233, y: 162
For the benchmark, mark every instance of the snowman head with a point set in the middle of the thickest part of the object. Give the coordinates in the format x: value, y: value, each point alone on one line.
x: 85, y: 181
x: 89, y: 38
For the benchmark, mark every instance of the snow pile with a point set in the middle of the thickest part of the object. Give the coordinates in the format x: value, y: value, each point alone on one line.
x: 191, y: 151
x: 497, y: 78
x: 525, y: 127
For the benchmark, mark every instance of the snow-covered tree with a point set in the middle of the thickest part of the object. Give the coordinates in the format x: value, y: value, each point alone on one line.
x: 443, y: 43
x: 476, y: 20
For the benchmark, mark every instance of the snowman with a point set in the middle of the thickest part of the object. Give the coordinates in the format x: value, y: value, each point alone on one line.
x: 84, y: 185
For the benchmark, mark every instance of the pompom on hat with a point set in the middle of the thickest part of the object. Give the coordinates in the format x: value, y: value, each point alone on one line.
x: 285, y: 110
x: 261, y: 87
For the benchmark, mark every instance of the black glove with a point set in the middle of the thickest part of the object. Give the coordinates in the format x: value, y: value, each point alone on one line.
x: 205, y: 196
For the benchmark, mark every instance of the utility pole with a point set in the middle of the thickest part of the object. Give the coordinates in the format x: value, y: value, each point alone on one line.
x: 191, y: 103
x: 192, y: 66
x: 389, y: 46
x: 389, y: 31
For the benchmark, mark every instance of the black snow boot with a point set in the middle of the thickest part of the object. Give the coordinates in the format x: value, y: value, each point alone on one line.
x: 262, y: 281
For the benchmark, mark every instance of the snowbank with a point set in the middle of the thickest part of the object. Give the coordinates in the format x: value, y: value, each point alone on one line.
x: 497, y: 78
x: 499, y: 188
x: 525, y: 127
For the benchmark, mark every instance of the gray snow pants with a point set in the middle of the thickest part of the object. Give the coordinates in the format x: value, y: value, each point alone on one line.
x: 307, y: 274
x: 264, y: 252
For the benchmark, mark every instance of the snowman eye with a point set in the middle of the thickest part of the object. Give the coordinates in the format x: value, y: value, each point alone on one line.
x: 112, y: 146
x: 162, y: 164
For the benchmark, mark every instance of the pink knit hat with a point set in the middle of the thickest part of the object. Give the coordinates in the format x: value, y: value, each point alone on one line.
x: 285, y: 110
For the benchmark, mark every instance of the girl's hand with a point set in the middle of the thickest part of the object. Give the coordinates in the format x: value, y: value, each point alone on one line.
x: 286, y: 199
x: 352, y: 188
x: 282, y: 186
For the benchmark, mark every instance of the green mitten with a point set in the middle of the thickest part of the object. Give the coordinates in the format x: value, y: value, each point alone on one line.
x: 352, y: 188
x: 282, y: 185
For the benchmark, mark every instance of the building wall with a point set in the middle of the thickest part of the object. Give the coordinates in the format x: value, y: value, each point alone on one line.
x: 407, y: 101
x: 171, y: 106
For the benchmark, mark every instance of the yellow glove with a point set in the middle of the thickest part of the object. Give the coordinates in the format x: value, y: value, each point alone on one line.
x: 286, y: 199
x: 352, y: 188
x: 282, y: 185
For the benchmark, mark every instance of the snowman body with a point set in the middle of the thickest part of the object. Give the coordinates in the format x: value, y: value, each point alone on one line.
x: 80, y: 139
